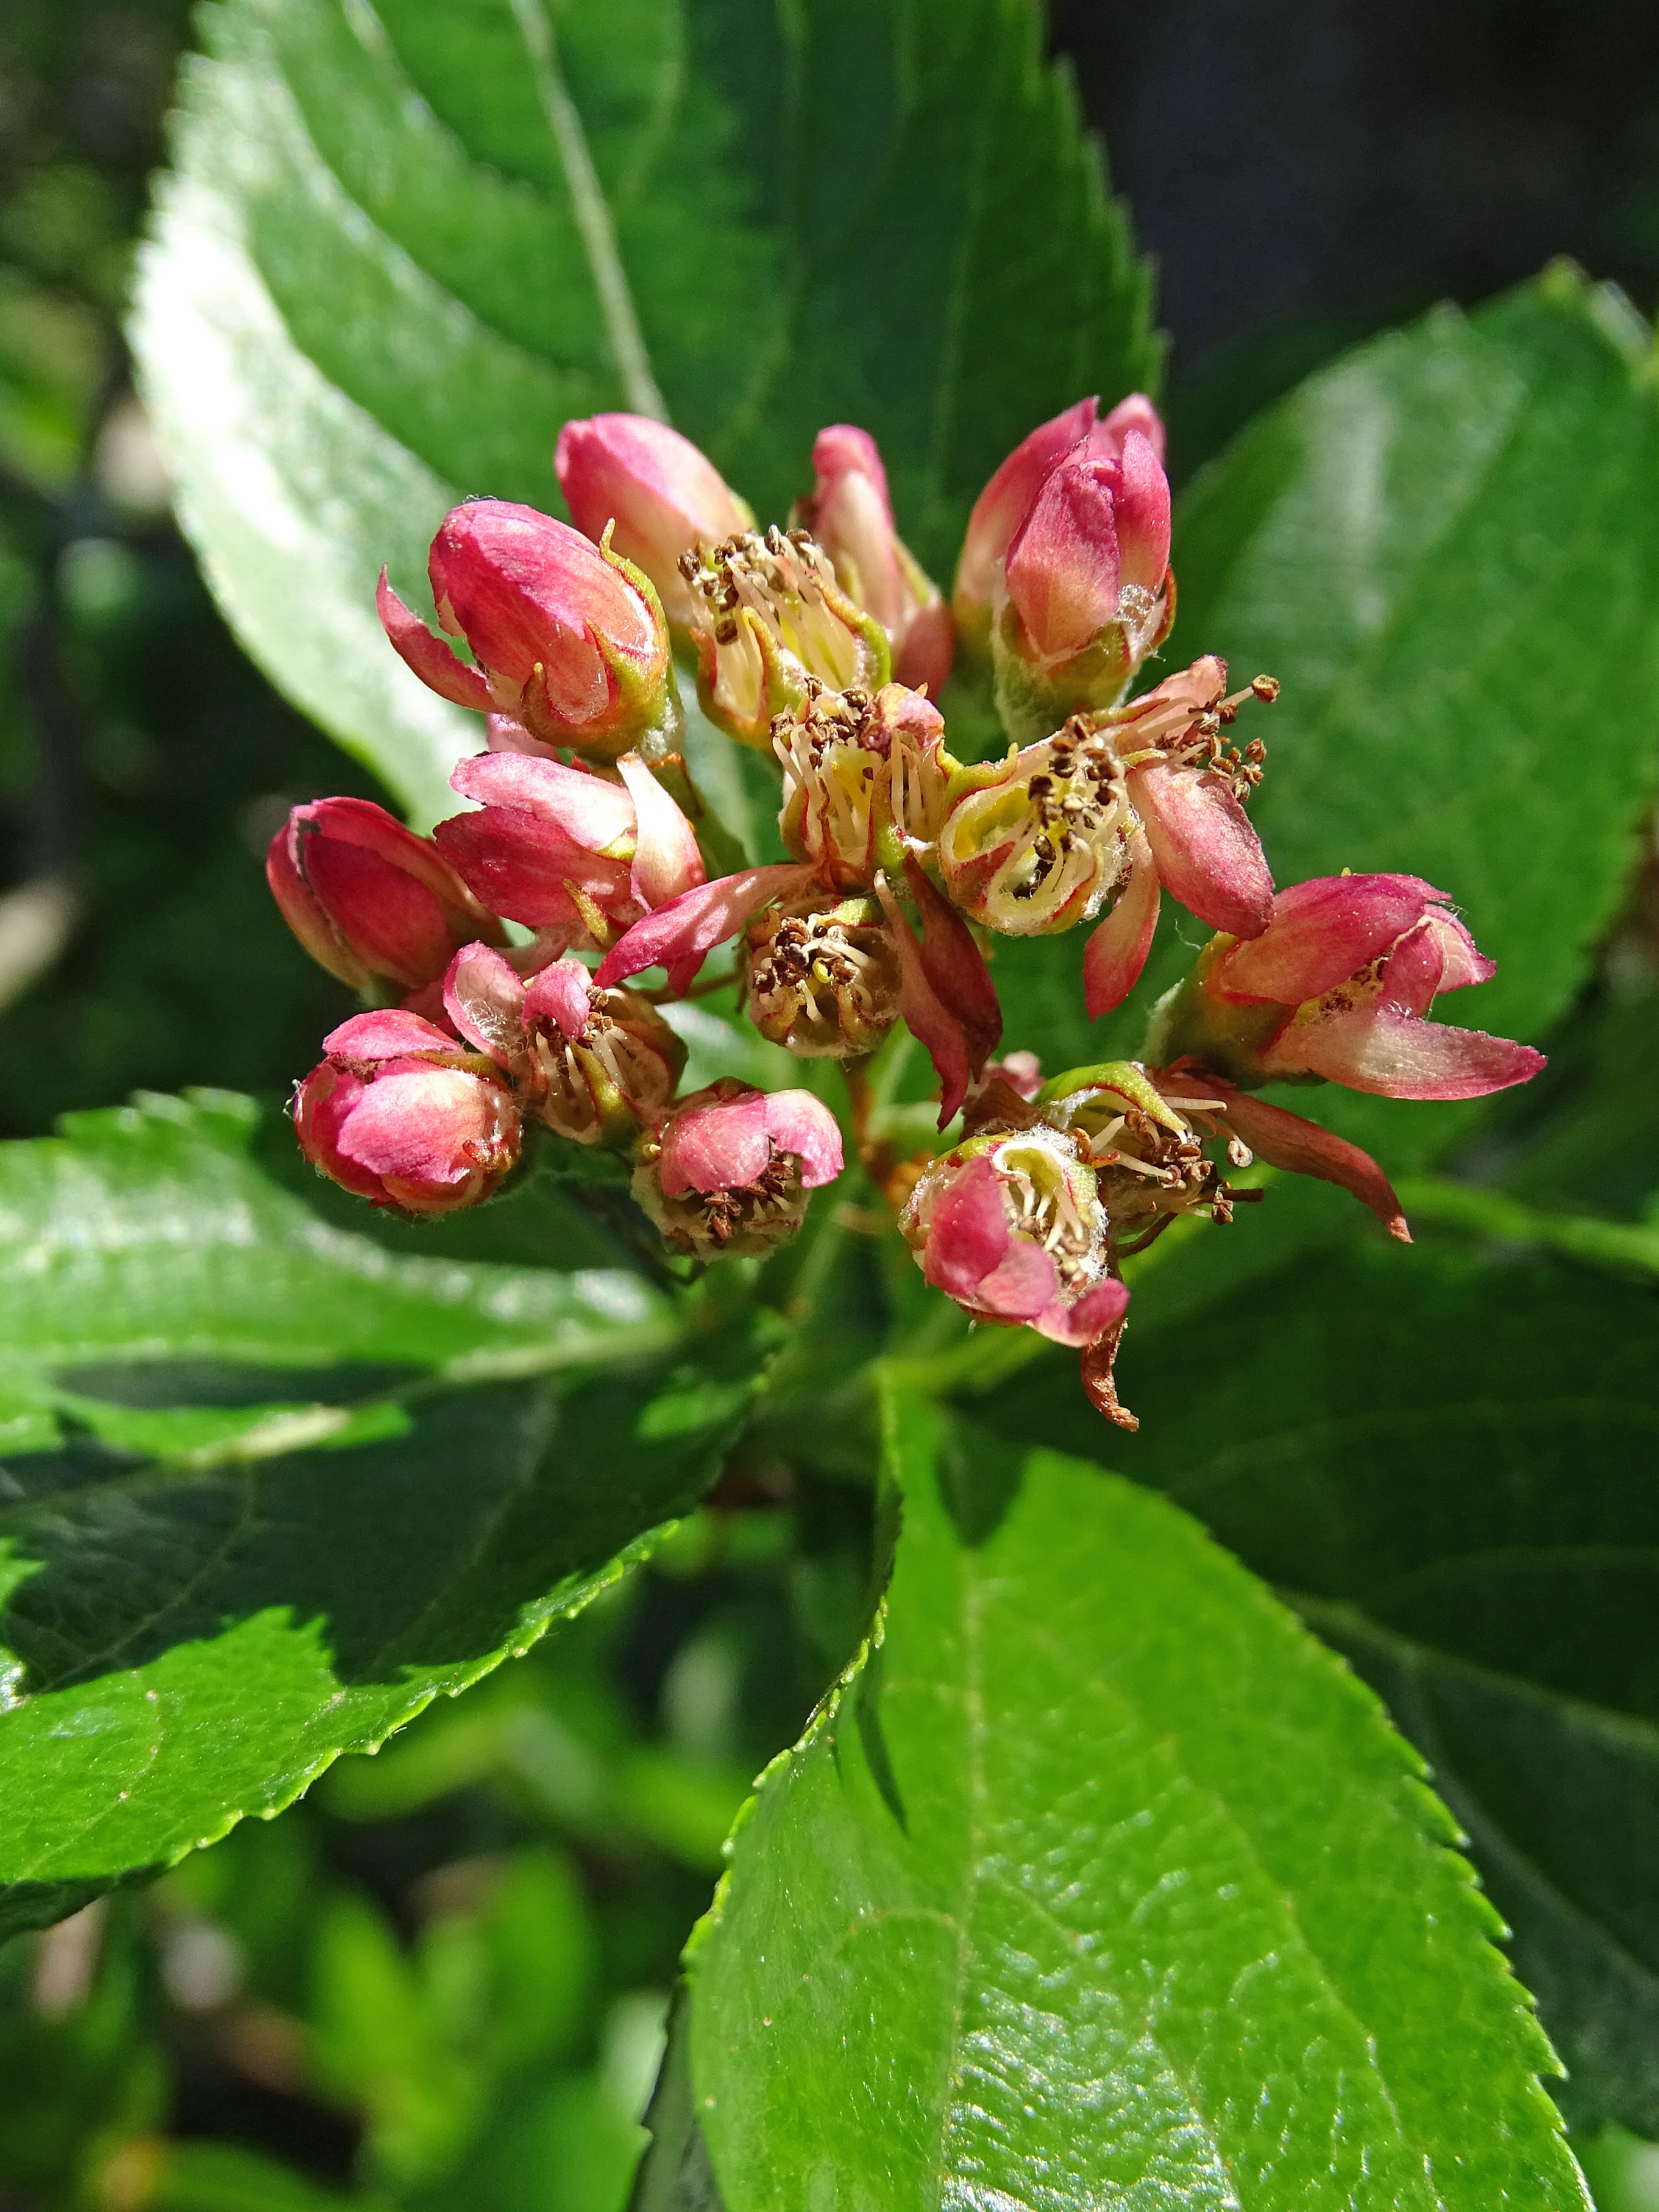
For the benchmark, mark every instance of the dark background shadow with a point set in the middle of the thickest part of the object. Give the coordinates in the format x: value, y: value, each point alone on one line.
x: 1307, y: 171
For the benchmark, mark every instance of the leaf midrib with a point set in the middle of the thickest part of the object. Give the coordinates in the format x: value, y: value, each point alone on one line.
x: 590, y: 210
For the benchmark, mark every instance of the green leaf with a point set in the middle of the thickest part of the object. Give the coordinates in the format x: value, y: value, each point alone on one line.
x: 400, y: 247
x: 1099, y: 1881
x: 269, y: 1487
x: 675, y: 2174
x: 1446, y: 1467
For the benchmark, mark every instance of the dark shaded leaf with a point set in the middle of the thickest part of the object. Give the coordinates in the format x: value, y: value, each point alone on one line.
x: 1447, y: 1467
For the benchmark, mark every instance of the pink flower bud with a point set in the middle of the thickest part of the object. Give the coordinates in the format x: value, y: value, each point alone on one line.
x: 401, y: 1116
x: 851, y: 517
x: 595, y: 1066
x: 729, y: 1170
x: 371, y: 902
x: 566, y: 851
x: 569, y: 640
x: 1011, y: 1225
x: 679, y: 935
x: 664, y: 498
x: 1082, y: 600
x: 771, y: 615
x: 1336, y: 988
x: 1007, y: 499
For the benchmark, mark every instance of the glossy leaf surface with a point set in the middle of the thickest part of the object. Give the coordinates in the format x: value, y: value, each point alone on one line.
x: 402, y: 246
x: 1446, y: 1467
x: 268, y: 1488
x: 1100, y: 1881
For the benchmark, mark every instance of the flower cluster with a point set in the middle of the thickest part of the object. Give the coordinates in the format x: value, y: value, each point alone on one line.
x: 505, y: 959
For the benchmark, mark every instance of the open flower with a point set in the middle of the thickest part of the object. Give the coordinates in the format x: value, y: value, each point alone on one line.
x: 1337, y: 988
x: 851, y: 517
x: 729, y: 1170
x: 569, y: 639
x: 1012, y: 1226
x: 659, y: 495
x: 373, y: 903
x: 825, y: 981
x: 771, y: 613
x: 400, y: 1115
x: 1117, y: 802
x: 569, y: 853
x: 1111, y: 1155
x: 1007, y: 499
x: 596, y: 1066
x: 862, y: 776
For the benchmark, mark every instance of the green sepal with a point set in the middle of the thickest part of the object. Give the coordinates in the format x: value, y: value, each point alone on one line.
x: 1228, y: 1037
x: 1120, y: 1077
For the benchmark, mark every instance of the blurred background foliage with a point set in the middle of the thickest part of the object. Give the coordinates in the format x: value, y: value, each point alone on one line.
x: 441, y: 1980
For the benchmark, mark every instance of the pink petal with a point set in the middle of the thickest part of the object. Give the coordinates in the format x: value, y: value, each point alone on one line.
x: 390, y: 921
x: 798, y: 1123
x: 304, y: 917
x: 1301, y: 1147
x: 524, y: 588
x: 1397, y: 1056
x: 1415, y: 970
x: 1023, y: 1073
x: 1022, y: 1286
x: 485, y: 1000
x: 1116, y: 951
x: 955, y: 967
x: 968, y: 1233
x: 422, y: 1126
x: 1206, y: 850
x: 1466, y: 962
x: 1090, y: 1317
x: 562, y: 992
x: 1322, y: 932
x: 851, y: 519
x: 520, y: 865
x: 428, y: 655
x: 660, y: 491
x: 1006, y: 499
x: 504, y: 735
x: 678, y: 935
x: 666, y: 860
x: 722, y: 1145
x: 1136, y: 412
x: 1062, y: 566
x: 322, y: 1106
x: 927, y: 648
x: 388, y: 1033
x: 1142, y: 511
x: 589, y: 810
x: 935, y: 1026
x: 842, y: 449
